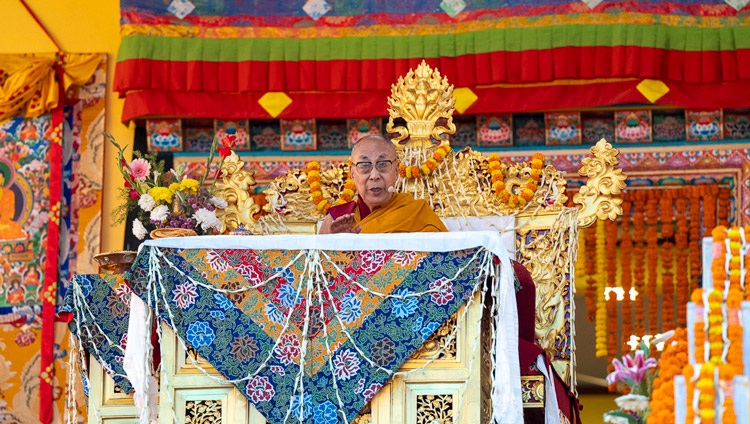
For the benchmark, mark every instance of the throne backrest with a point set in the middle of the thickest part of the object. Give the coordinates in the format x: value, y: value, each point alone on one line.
x: 463, y: 187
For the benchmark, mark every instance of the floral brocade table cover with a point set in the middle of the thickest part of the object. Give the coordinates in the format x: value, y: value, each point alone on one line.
x: 307, y: 335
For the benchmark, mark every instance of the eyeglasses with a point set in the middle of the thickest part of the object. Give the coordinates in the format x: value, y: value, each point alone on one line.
x: 382, y: 166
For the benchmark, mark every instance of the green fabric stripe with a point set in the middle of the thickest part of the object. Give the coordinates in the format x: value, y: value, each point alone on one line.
x: 429, y: 46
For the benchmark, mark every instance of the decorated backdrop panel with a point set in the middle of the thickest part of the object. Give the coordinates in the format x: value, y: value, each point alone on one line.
x: 50, y: 207
x: 235, y: 59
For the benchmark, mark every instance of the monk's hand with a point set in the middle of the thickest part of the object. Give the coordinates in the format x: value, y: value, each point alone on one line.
x: 344, y: 224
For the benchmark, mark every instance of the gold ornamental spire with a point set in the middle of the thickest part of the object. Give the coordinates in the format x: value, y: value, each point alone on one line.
x: 425, y: 101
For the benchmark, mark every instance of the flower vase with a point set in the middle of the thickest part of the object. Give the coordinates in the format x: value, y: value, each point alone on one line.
x: 115, y: 262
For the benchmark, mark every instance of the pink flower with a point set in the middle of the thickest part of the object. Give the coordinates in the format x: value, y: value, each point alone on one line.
x: 631, y: 370
x: 140, y: 169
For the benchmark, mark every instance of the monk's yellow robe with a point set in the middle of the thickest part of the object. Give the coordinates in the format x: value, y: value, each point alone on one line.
x: 402, y: 214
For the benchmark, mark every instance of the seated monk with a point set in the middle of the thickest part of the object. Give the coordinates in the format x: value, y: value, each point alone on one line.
x: 377, y: 209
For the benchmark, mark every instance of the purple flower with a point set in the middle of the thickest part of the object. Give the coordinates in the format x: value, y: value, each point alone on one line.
x: 632, y: 370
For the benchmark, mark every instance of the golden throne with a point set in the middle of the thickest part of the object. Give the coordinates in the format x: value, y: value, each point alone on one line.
x: 462, y: 187
x: 458, y: 185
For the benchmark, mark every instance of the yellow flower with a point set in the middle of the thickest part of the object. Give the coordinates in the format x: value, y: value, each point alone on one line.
x: 161, y: 194
x: 189, y: 184
x: 174, y: 187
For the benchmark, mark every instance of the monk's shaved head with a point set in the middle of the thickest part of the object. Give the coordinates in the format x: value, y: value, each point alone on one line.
x: 376, y: 139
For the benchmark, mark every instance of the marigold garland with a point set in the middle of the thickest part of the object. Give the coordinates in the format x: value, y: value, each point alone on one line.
x: 601, y: 311
x: 591, y: 283
x: 316, y: 190
x: 695, y: 235
x: 528, y: 190
x: 699, y: 327
x: 652, y: 261
x: 724, y: 201
x: 666, y: 211
x: 706, y: 393
x: 639, y: 274
x: 715, y: 326
x: 611, y: 281
x: 746, y: 283
x: 681, y: 244
x: 626, y: 247
x: 427, y: 167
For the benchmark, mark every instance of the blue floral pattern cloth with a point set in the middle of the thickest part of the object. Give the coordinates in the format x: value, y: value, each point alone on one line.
x: 300, y: 342
x: 101, y: 308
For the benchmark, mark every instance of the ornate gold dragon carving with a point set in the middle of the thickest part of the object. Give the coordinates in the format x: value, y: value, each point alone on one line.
x: 234, y: 186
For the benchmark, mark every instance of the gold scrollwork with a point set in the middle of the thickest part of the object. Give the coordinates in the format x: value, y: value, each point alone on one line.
x: 435, y: 409
x: 437, y: 346
x: 234, y: 185
x: 203, y: 412
x: 598, y: 198
x: 532, y: 391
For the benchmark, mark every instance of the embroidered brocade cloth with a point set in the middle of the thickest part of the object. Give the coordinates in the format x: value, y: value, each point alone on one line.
x: 313, y: 332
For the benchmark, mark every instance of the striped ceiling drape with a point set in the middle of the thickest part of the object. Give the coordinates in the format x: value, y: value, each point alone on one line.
x: 514, y: 55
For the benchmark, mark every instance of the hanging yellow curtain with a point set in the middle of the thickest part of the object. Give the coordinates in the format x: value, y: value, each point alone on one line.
x: 28, y: 85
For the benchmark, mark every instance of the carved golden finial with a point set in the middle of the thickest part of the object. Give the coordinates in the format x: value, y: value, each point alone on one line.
x: 235, y: 185
x: 421, y: 98
x: 598, y: 198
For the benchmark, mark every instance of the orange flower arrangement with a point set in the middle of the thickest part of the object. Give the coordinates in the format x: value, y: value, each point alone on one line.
x: 746, y: 286
x: 670, y: 365
x: 316, y: 191
x: 652, y: 260
x: 426, y: 167
x: 528, y: 190
x: 681, y: 244
x: 709, y: 207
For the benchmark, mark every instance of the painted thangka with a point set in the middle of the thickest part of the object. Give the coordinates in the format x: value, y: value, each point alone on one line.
x: 26, y: 222
x: 307, y: 335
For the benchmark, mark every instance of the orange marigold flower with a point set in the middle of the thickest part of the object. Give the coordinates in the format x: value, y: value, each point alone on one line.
x: 313, y: 166
x: 350, y: 184
x: 719, y: 233
x: 493, y: 157
x: 414, y: 172
x: 402, y: 171
x: 312, y: 179
x: 527, y: 194
x: 498, y: 185
x: 697, y: 296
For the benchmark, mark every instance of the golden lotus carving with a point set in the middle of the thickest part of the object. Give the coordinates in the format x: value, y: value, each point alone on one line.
x: 425, y: 101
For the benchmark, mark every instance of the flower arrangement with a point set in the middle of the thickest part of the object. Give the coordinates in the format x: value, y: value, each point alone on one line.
x: 638, y: 374
x: 169, y: 199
